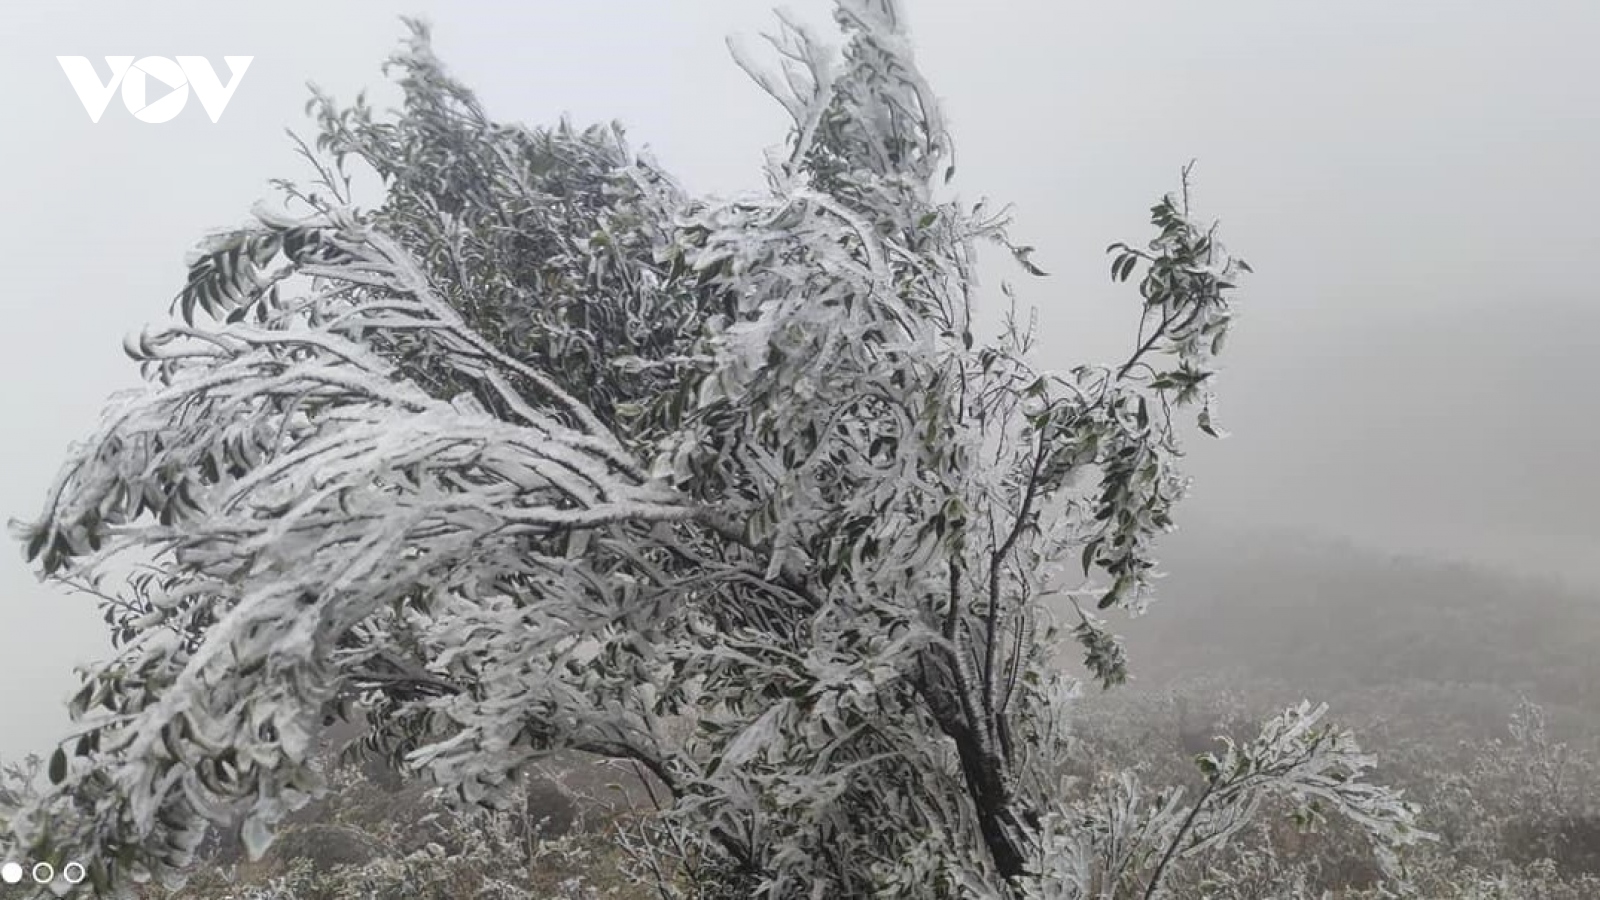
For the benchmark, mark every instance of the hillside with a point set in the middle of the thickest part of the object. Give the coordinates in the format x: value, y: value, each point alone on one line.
x: 1334, y: 621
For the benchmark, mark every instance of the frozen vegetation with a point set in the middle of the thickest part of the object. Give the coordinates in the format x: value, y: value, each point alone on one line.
x: 539, y: 461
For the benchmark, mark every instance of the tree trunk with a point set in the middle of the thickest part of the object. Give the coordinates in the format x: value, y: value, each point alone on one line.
x: 1005, y: 830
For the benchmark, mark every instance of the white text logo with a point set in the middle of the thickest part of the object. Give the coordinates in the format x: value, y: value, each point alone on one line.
x: 135, y: 77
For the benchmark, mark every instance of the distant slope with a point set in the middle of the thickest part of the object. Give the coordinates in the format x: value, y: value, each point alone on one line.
x: 1470, y: 432
x: 1331, y: 619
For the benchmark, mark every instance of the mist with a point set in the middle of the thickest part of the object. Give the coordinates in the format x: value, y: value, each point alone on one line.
x: 1413, y: 370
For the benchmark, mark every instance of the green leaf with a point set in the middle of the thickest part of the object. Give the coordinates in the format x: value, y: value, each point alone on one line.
x: 1118, y: 588
x: 80, y: 701
x: 58, y: 766
x: 1022, y: 254
x: 36, y: 542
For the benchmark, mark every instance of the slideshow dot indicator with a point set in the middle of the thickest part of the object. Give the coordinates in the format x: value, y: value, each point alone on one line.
x: 11, y: 873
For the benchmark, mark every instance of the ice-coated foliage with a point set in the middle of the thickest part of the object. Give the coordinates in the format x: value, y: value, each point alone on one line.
x: 542, y: 453
x: 1124, y: 841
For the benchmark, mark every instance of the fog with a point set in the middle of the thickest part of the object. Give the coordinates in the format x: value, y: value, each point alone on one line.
x: 1414, y: 364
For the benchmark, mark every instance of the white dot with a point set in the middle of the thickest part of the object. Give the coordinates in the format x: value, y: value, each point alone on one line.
x: 11, y: 873
x: 43, y: 873
x: 74, y: 873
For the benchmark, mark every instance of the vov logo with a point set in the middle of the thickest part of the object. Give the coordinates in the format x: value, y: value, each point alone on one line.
x: 135, y: 79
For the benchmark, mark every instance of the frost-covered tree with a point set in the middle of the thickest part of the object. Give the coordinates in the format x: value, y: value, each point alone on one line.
x: 540, y: 453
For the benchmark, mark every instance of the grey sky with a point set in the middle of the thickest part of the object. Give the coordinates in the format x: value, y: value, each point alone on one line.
x: 1413, y: 182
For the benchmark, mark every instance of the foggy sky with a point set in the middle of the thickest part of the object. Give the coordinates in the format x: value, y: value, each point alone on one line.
x: 1414, y: 363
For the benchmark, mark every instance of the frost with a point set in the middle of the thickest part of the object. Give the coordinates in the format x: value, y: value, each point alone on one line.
x: 544, y: 454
